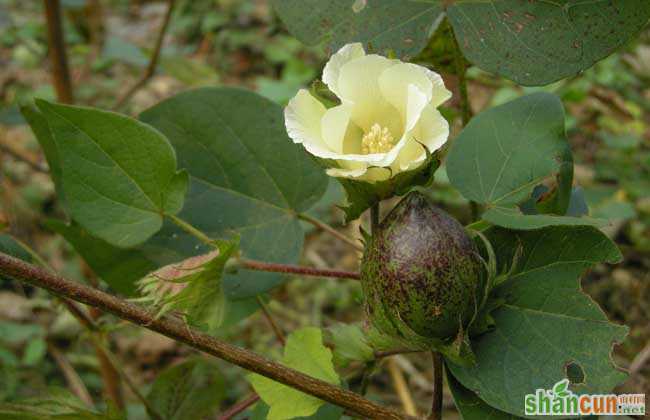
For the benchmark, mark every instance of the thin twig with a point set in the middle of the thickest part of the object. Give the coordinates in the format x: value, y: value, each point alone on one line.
x: 640, y: 360
x: 153, y: 60
x: 461, y: 72
x: 329, y: 229
x: 239, y: 408
x: 179, y: 331
x: 125, y: 377
x: 436, y: 404
x: 71, y: 376
x: 296, y: 269
x: 19, y: 156
x: 56, y: 46
x: 401, y: 387
x: 269, y: 318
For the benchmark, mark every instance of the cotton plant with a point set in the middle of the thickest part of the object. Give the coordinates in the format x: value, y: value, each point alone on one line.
x: 192, y: 211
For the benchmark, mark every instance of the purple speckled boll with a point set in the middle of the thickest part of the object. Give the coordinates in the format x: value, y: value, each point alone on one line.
x: 423, y: 267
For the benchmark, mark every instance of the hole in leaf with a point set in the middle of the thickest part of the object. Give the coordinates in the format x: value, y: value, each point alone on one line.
x: 574, y: 373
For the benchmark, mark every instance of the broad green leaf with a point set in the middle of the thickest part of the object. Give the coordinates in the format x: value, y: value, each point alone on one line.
x: 247, y: 177
x: 537, y: 42
x: 188, y: 391
x: 306, y: 353
x: 41, y: 130
x: 56, y: 404
x: 192, y: 287
x: 403, y: 27
x: 470, y: 406
x: 513, y: 218
x: 116, y: 266
x: 325, y: 412
x: 547, y: 323
x: 350, y: 344
x: 118, y: 175
x: 505, y: 152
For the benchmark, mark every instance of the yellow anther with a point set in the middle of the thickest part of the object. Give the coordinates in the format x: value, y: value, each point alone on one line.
x: 377, y: 140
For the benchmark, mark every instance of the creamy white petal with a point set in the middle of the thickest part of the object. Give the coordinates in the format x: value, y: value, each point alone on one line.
x: 358, y: 85
x: 440, y: 93
x: 334, y: 125
x: 410, y: 157
x: 432, y: 129
x: 302, y: 117
x: 346, y: 173
x: 395, y: 81
x: 333, y: 67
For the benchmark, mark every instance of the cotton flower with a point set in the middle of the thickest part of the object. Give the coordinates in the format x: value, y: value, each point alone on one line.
x: 386, y: 122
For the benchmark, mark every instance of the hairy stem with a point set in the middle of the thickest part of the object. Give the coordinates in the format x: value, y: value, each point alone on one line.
x: 436, y: 404
x: 329, y: 229
x: 56, y: 45
x: 153, y: 60
x: 296, y: 269
x: 179, y: 331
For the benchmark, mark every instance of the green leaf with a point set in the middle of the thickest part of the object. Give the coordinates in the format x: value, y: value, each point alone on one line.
x: 57, y: 404
x: 246, y: 171
x: 350, y: 344
x: 41, y: 130
x: 538, y: 42
x: 547, y: 323
x: 306, y: 353
x: 116, y: 266
x: 514, y: 218
x: 470, y: 406
x: 505, y: 152
x: 34, y: 351
x: 191, y: 390
x: 382, y: 25
x: 118, y: 175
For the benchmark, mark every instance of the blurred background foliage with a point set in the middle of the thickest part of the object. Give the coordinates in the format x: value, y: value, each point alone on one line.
x: 242, y: 43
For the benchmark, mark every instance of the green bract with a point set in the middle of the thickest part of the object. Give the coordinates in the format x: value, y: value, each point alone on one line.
x: 423, y: 270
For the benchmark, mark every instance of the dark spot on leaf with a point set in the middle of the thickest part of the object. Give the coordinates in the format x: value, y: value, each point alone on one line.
x: 574, y: 373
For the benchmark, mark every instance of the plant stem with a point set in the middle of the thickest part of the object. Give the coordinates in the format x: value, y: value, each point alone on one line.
x: 129, y: 382
x: 191, y: 230
x: 329, y: 229
x: 296, y: 269
x: 436, y: 404
x: 240, y: 407
x: 153, y: 60
x: 269, y: 318
x: 179, y: 331
x: 401, y: 388
x: 374, y: 218
x: 56, y: 46
x: 71, y: 376
x: 461, y: 73
x: 465, y: 106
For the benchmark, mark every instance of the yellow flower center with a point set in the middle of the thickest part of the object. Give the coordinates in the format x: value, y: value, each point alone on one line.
x: 377, y: 140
